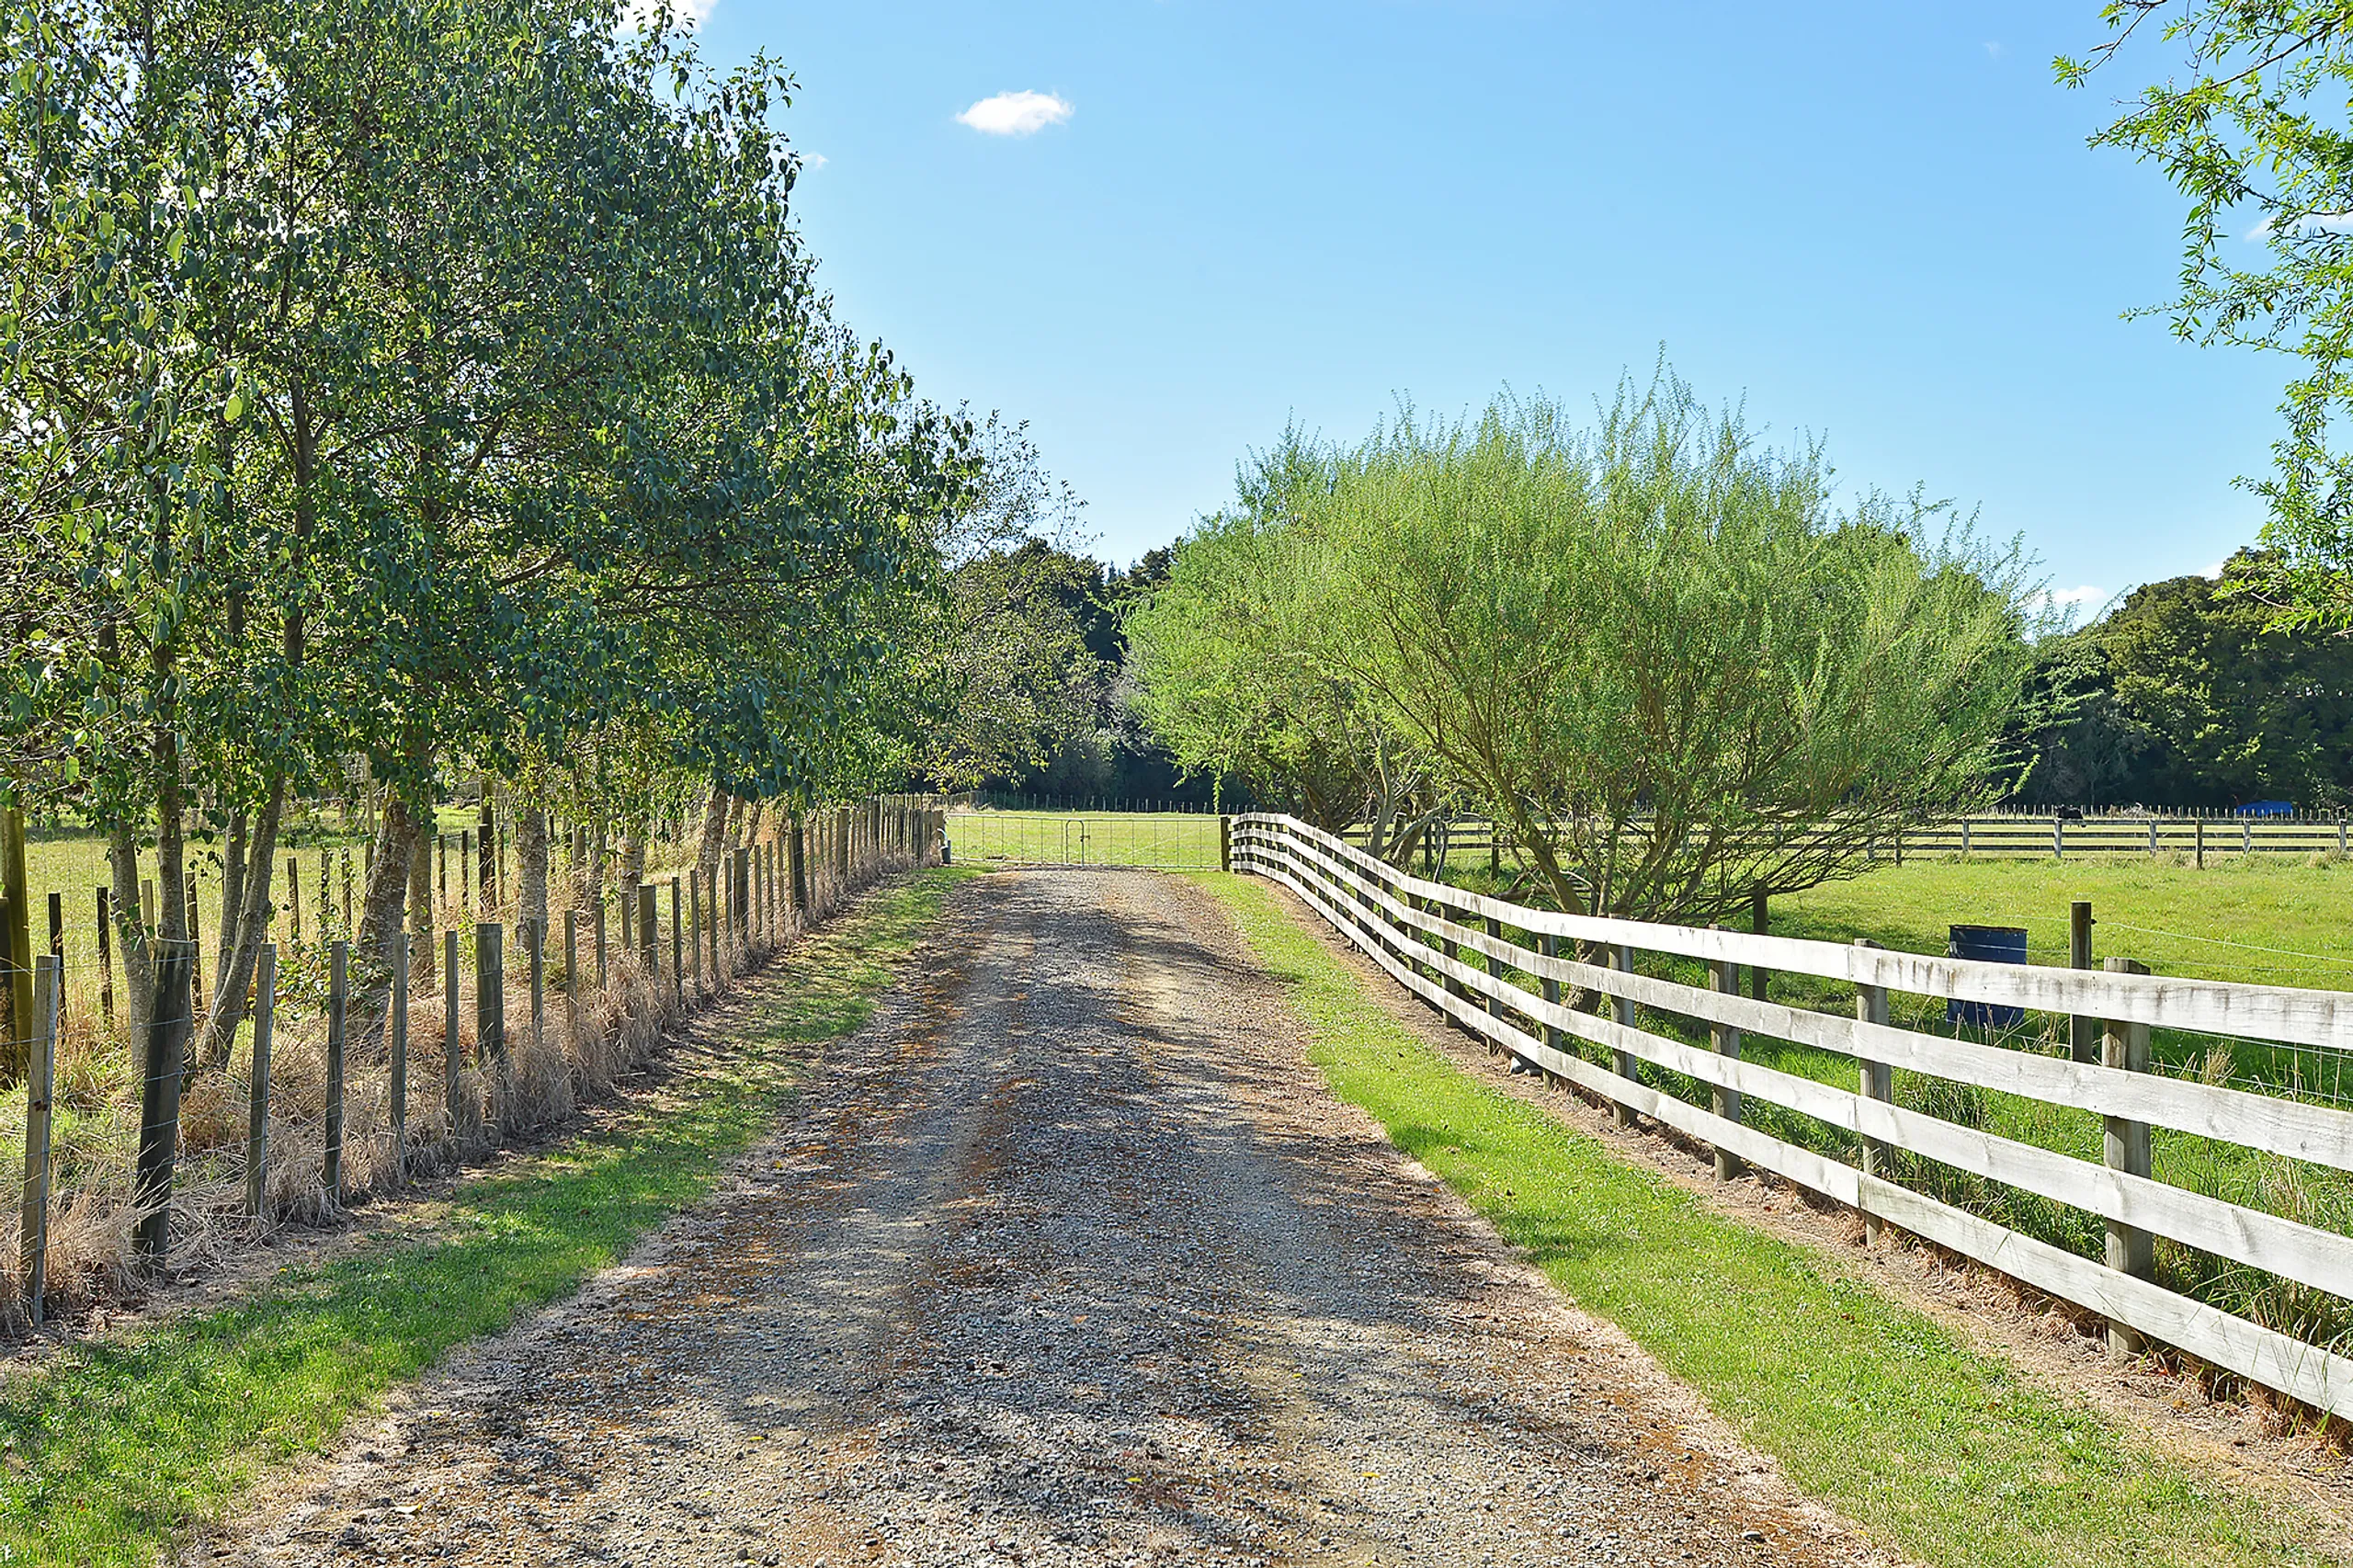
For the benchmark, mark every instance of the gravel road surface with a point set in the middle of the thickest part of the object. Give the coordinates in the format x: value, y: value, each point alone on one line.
x: 1067, y: 1258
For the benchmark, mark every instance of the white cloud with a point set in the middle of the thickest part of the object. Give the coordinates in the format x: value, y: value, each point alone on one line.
x: 810, y: 162
x: 1993, y: 50
x: 1015, y: 114
x: 2068, y: 599
x: 2310, y: 224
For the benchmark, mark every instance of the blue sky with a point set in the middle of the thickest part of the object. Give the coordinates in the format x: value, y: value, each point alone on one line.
x: 1878, y: 222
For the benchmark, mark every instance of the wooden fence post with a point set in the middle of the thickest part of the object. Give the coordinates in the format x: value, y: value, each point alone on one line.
x: 536, y: 933
x: 159, y: 1103
x: 2130, y: 1250
x: 1225, y: 843
x: 796, y: 853
x: 571, y: 978
x: 489, y: 992
x: 1759, y: 921
x: 711, y: 921
x: 596, y: 920
x: 257, y: 1088
x: 677, y: 946
x: 1724, y: 977
x: 41, y: 1079
x: 1454, y: 987
x: 1494, y: 970
x: 57, y: 951
x: 195, y: 949
x: 452, y: 1031
x: 2202, y: 844
x: 2082, y: 1033
x: 485, y: 846
x: 338, y: 995
x: 739, y: 895
x: 1550, y: 946
x: 648, y: 952
x: 1878, y: 1083
x: 465, y: 867
x: 400, y: 1062
x: 106, y: 958
x: 694, y: 922
x: 293, y: 898
x: 1621, y: 1012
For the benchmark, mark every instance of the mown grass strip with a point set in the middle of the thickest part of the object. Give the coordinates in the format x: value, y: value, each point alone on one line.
x: 111, y: 1453
x: 1934, y: 1448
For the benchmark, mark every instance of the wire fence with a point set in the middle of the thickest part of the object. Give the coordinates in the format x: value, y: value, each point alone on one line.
x: 143, y: 1140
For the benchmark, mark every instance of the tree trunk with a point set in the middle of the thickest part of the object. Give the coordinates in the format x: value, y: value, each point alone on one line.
x: 531, y: 864
x: 712, y: 841
x: 592, y: 873
x: 383, y: 920
x: 632, y: 862
x: 423, y: 960
x: 243, y: 933
x: 233, y: 899
x: 130, y: 930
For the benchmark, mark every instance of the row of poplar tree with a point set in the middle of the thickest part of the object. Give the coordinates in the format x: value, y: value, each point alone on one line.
x: 440, y: 383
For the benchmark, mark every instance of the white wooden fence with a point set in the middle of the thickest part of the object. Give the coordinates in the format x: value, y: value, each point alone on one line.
x: 1446, y: 946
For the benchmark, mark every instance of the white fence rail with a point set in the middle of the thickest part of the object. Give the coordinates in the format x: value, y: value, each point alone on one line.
x: 1446, y: 946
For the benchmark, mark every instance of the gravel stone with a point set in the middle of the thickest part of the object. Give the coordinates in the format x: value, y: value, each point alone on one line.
x: 1068, y: 1257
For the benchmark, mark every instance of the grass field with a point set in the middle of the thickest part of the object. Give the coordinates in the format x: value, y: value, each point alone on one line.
x: 1168, y: 840
x: 1937, y: 1449
x: 109, y: 1453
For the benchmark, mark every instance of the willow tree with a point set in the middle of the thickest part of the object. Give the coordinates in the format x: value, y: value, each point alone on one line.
x: 1661, y: 653
x: 1236, y: 664
x: 1657, y: 651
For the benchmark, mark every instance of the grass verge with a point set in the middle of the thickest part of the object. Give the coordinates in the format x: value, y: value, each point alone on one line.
x: 107, y: 1455
x: 1934, y: 1448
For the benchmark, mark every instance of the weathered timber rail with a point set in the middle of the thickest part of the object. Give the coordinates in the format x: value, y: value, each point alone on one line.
x: 1448, y: 946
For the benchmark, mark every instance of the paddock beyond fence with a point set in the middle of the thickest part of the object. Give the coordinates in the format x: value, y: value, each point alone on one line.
x: 1452, y: 949
x: 2184, y: 837
x: 1167, y: 841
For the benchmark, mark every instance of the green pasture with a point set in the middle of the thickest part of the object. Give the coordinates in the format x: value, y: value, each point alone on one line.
x: 1168, y: 840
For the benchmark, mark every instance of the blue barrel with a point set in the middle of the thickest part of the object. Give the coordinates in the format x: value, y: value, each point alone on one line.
x: 1986, y: 944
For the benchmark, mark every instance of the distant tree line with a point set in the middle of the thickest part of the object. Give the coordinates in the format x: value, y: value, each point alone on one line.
x: 2183, y: 696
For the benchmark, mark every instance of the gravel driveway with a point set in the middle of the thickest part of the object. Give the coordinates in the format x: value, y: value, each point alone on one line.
x: 1068, y: 1257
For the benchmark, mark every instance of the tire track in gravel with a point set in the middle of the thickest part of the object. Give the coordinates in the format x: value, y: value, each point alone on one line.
x: 1068, y: 1257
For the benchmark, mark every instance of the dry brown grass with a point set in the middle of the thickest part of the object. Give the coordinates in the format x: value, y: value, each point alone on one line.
x: 618, y: 1029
